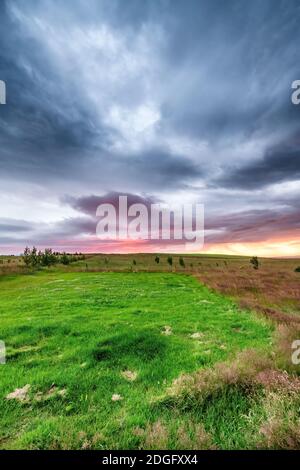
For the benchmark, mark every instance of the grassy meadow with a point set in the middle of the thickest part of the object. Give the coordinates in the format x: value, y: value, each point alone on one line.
x: 124, y: 352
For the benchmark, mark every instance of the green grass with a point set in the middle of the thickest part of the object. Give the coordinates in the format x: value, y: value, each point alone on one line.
x: 79, y: 331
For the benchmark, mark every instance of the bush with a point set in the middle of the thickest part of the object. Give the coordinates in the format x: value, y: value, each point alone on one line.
x: 297, y: 270
x: 254, y: 261
x: 64, y: 259
x: 26, y: 256
x: 33, y: 258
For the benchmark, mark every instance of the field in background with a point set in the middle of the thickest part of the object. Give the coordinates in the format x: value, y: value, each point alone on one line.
x: 121, y: 351
x: 274, y: 288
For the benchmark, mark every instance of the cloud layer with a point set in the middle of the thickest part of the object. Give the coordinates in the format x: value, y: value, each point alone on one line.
x: 182, y: 101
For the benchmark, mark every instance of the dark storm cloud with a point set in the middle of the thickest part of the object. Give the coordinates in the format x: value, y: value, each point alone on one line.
x: 237, y: 61
x: 228, y: 74
x: 279, y: 164
x: 151, y: 98
x: 88, y: 204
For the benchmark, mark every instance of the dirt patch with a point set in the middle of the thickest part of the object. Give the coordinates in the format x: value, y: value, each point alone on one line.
x: 20, y: 394
x: 167, y: 330
x: 52, y: 392
x: 129, y: 375
x: 116, y: 397
x: 197, y: 335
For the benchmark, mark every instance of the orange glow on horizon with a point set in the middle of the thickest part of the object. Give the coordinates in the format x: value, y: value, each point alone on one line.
x: 272, y: 248
x: 289, y: 248
x: 280, y: 247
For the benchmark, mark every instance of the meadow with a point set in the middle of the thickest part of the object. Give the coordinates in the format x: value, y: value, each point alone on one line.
x: 125, y: 352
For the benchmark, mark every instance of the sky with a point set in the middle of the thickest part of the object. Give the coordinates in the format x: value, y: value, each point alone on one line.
x: 171, y: 101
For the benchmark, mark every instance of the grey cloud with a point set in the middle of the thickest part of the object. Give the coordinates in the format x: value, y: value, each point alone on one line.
x: 253, y: 226
x: 214, y: 72
x: 14, y: 227
x: 88, y: 204
x: 279, y: 164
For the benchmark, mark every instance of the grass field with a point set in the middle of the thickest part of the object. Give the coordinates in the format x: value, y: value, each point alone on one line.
x: 150, y: 360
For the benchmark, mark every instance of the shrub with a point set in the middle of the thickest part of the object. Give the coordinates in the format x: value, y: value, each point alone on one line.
x: 254, y: 261
x: 33, y: 258
x: 297, y: 270
x: 26, y: 256
x: 64, y: 259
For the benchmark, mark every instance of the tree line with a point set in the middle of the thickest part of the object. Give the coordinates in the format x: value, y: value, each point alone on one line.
x: 34, y: 258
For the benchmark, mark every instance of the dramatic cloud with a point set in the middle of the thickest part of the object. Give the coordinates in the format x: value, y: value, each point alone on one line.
x: 182, y: 101
x: 280, y: 163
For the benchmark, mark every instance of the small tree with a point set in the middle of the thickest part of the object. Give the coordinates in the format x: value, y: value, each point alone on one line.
x: 181, y: 262
x: 34, y: 259
x: 157, y: 259
x: 48, y: 257
x: 39, y: 257
x: 64, y: 259
x: 254, y: 261
x: 26, y: 256
x: 170, y: 260
x: 297, y: 270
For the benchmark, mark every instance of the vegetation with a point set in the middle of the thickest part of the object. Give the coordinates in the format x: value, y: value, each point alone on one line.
x: 254, y: 261
x: 33, y: 258
x: 149, y: 360
x: 95, y: 354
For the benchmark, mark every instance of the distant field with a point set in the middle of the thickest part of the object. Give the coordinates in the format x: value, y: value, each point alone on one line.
x: 79, y: 332
x: 273, y: 289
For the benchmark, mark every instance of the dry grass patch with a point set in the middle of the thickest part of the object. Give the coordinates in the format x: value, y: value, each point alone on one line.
x: 20, y: 394
x: 192, y: 436
x: 241, y: 371
x: 129, y: 375
x: 156, y: 436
